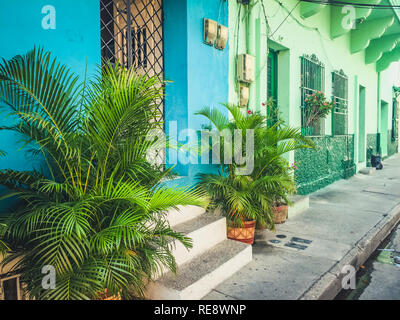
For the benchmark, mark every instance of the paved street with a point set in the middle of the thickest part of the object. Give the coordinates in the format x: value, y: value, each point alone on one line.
x: 381, y: 278
x: 344, y: 222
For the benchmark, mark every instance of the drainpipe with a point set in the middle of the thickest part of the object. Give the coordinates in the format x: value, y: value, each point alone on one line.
x: 249, y: 50
x: 248, y: 27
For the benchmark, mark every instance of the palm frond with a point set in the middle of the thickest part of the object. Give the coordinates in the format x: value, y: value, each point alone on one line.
x: 98, y: 220
x: 252, y: 197
x: 4, y: 248
x: 37, y: 83
x: 216, y: 117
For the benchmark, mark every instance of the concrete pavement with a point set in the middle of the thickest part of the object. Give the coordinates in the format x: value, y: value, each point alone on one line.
x: 304, y: 259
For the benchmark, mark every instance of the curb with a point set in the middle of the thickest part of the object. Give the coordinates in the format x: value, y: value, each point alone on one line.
x: 329, y: 284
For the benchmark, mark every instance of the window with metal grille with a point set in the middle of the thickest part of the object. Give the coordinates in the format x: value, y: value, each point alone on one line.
x: 312, y: 80
x: 340, y: 103
x: 132, y: 35
x: 395, y: 120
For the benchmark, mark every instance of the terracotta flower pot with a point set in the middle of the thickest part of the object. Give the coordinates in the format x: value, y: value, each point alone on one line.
x: 105, y: 296
x: 244, y: 234
x: 280, y: 214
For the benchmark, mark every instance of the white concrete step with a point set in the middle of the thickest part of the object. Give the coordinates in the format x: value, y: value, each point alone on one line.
x: 198, y: 277
x: 367, y: 171
x: 183, y: 214
x: 206, y: 231
x: 300, y: 204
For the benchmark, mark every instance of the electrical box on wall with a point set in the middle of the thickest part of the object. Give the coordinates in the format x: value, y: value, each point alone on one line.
x: 210, y: 31
x: 245, y: 68
x: 244, y: 94
x: 222, y: 37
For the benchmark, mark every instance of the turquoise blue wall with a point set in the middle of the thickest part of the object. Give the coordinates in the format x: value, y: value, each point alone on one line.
x: 199, y: 72
x: 176, y: 68
x: 75, y: 39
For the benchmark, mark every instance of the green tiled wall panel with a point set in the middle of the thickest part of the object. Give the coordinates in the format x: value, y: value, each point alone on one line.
x: 332, y: 160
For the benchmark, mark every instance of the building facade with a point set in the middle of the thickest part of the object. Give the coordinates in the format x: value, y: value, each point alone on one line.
x: 309, y: 50
x: 298, y: 48
x: 295, y: 49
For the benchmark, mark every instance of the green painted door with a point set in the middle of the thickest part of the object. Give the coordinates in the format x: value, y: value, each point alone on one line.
x: 384, y: 129
x: 272, y: 80
x: 361, y: 125
x: 272, y: 86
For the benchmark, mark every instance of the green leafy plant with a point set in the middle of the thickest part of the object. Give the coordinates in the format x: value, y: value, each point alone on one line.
x: 279, y: 194
x: 3, y: 246
x: 97, y: 214
x: 317, y: 107
x: 273, y: 112
x: 251, y: 197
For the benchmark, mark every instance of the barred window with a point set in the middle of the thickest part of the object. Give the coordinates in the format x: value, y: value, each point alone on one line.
x: 340, y: 103
x: 312, y: 80
x: 132, y: 35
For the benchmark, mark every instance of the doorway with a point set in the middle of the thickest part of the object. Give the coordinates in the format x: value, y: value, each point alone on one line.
x: 272, y: 77
x: 383, y: 137
x: 272, y: 86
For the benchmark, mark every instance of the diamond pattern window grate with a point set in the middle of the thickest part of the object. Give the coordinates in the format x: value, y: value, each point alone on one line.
x: 132, y: 35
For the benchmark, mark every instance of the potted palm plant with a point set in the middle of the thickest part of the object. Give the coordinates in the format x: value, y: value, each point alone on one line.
x: 248, y: 200
x: 280, y: 193
x: 233, y: 196
x: 96, y: 214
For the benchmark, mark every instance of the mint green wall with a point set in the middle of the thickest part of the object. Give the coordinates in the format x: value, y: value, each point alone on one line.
x: 298, y: 36
x: 359, y: 112
x: 248, y: 35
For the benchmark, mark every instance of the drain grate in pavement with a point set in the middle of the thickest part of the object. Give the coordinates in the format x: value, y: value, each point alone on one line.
x: 300, y: 240
x: 281, y: 236
x: 275, y: 241
x: 295, y: 245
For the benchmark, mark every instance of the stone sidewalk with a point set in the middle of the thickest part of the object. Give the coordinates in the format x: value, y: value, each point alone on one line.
x: 344, y: 225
